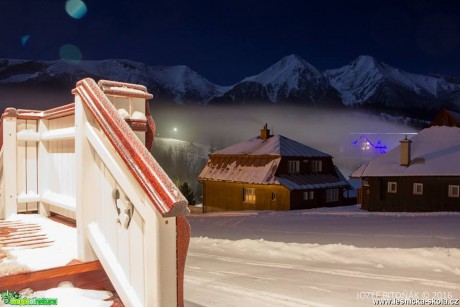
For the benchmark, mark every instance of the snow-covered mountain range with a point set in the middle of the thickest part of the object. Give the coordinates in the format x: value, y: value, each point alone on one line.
x: 369, y: 82
x: 363, y: 83
x: 178, y: 83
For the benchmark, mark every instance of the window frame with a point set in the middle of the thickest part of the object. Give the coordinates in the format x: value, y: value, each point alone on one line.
x: 316, y: 166
x: 309, y: 195
x: 390, y: 185
x: 335, y: 195
x: 249, y: 195
x: 414, y: 188
x: 293, y: 166
x: 451, y: 189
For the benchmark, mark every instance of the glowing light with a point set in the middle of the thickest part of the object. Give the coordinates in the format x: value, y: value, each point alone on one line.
x: 25, y: 39
x: 75, y: 8
x: 175, y: 129
x: 367, y: 145
x: 70, y: 54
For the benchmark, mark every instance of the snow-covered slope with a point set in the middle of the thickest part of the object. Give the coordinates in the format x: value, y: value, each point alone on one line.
x: 367, y: 80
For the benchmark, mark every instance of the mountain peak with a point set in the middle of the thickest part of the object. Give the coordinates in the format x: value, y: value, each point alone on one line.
x: 365, y: 58
x: 293, y: 57
x: 295, y: 61
x: 291, y: 76
x: 288, y: 67
x: 367, y: 62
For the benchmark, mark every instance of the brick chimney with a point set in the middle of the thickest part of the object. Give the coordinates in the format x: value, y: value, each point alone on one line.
x: 405, y: 151
x: 265, y: 133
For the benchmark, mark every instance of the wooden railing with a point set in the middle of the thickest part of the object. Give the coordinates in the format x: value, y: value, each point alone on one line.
x: 134, y: 230
x: 39, y: 161
x: 156, y: 184
x: 90, y: 165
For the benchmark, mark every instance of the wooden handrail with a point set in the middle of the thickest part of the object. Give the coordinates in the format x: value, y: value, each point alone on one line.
x: 161, y: 191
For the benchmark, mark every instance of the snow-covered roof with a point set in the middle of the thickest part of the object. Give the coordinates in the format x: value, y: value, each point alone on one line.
x: 435, y: 151
x: 261, y: 170
x: 446, y: 118
x: 455, y: 115
x: 276, y: 145
x: 247, y: 169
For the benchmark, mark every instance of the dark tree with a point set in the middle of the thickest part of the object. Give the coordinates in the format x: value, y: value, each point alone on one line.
x: 188, y: 193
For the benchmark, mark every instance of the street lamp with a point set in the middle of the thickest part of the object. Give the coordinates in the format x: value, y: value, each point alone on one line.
x: 175, y: 132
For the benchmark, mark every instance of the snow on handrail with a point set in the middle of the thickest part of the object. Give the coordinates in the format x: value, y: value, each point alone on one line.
x: 156, y: 184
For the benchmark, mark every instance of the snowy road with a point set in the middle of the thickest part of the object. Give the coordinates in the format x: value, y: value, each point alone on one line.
x: 320, y: 257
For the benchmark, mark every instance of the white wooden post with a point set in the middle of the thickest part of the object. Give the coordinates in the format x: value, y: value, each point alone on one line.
x: 43, y: 168
x: 85, y: 201
x: 21, y: 172
x: 166, y: 262
x: 9, y: 166
x: 31, y: 165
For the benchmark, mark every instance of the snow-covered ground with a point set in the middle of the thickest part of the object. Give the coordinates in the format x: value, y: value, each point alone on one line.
x: 321, y: 257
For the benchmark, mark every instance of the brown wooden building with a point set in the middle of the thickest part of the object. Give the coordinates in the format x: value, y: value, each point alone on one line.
x: 271, y: 172
x: 422, y: 174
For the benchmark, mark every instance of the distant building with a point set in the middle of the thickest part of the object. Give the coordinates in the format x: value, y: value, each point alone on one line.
x: 422, y: 174
x: 446, y: 118
x: 271, y: 172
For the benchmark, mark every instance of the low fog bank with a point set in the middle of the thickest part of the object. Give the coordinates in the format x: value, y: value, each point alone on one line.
x: 340, y: 133
x: 330, y: 130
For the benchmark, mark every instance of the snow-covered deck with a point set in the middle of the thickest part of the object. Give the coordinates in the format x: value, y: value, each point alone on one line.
x: 34, y: 242
x: 31, y: 243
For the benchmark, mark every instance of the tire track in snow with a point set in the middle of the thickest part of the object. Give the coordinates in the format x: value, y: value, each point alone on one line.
x: 336, y: 272
x: 263, y: 298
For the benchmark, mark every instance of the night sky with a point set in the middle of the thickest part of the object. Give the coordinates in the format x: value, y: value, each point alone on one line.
x: 226, y: 41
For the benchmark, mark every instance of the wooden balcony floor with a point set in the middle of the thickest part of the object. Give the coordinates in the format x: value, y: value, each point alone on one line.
x: 38, y: 253
x: 31, y: 242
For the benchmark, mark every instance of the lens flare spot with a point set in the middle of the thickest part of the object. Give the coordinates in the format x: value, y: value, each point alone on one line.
x: 70, y: 54
x: 76, y: 8
x: 25, y: 39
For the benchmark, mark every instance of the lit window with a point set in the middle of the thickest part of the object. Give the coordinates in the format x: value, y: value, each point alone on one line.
x: 249, y: 195
x: 293, y: 166
x: 308, y: 195
x: 316, y: 166
x: 392, y: 187
x: 332, y: 195
x: 418, y: 188
x: 454, y: 191
x: 273, y: 196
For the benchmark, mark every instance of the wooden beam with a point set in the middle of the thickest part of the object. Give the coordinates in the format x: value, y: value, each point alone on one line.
x: 87, y: 275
